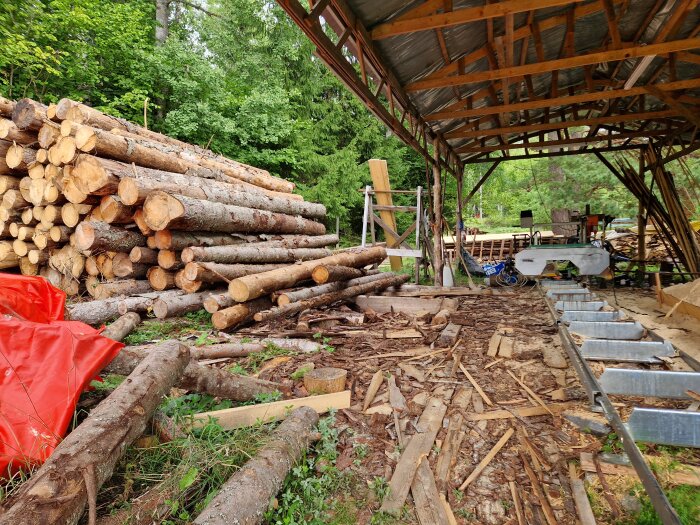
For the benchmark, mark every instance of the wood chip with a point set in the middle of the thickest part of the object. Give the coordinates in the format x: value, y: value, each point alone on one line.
x: 476, y: 386
x: 487, y: 459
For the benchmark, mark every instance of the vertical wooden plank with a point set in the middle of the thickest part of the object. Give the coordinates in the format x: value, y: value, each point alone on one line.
x: 379, y: 172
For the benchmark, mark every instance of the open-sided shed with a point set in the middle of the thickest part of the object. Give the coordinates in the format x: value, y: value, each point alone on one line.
x: 470, y: 81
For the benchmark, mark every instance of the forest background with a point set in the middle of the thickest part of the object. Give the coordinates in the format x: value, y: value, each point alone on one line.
x: 238, y: 76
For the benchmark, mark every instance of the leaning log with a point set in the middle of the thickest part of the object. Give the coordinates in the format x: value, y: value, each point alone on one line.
x: 238, y: 314
x: 95, y: 235
x: 58, y: 491
x: 178, y: 240
x: 252, y: 286
x: 198, y: 378
x: 178, y: 305
x: 245, y: 497
x: 326, y: 299
x: 122, y: 327
x: 216, y: 273
x: 328, y: 273
x: 252, y: 253
x: 216, y: 302
x: 161, y: 211
x: 314, y: 291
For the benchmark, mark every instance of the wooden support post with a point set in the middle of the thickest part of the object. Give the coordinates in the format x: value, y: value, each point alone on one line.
x: 438, y: 262
x: 380, y: 179
x: 459, y: 226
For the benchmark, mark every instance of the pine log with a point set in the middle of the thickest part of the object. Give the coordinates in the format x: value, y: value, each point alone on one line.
x: 252, y: 253
x: 91, y: 266
x: 49, y: 214
x: 239, y: 314
x: 216, y: 302
x: 139, y: 254
x: 163, y: 211
x: 216, y: 273
x: 225, y: 350
x: 182, y: 304
x: 13, y: 200
x: 143, y: 302
x: 198, y: 378
x: 245, y: 497
x: 55, y: 173
x: 38, y: 256
x: 27, y: 267
x: 94, y: 313
x: 114, y: 211
x: 8, y: 182
x: 252, y: 286
x: 22, y: 248
x: 325, y: 380
x: 10, y: 131
x: 6, y: 107
x: 326, y: 299
x: 60, y: 233
x: 188, y: 286
x: 48, y: 134
x: 71, y: 213
x: 124, y: 287
x: 178, y: 240
x: 101, y: 236
x: 122, y: 327
x: 141, y: 223
x: 19, y: 157
x: 31, y: 215
x: 24, y: 188
x: 42, y: 156
x: 151, y: 242
x: 160, y: 279
x: 8, y: 258
x: 170, y: 260
x: 122, y: 266
x: 36, y: 191
x: 51, y: 111
x: 314, y: 291
x: 328, y: 273
x: 58, y: 491
x: 29, y: 114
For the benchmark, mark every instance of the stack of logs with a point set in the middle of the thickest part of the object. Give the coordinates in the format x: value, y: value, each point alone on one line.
x: 141, y: 221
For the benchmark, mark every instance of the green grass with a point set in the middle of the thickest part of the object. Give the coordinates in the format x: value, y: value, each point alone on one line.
x: 684, y: 498
x: 198, y: 323
x: 252, y: 363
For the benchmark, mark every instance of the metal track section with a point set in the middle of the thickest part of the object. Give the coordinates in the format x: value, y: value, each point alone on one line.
x: 620, y: 341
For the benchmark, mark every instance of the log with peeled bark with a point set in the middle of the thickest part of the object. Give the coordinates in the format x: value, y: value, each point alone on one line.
x: 59, y: 491
x: 199, y: 378
x: 170, y: 260
x: 123, y: 326
x: 329, y: 298
x: 38, y: 256
x: 60, y: 233
x: 119, y: 288
x: 225, y: 350
x: 114, y: 211
x: 188, y: 286
x: 314, y: 291
x: 8, y: 258
x: 328, y: 273
x: 182, y: 304
x: 239, y: 314
x: 123, y: 267
x: 68, y: 261
x: 22, y: 248
x: 101, y: 236
x: 13, y: 200
x: 218, y: 273
x: 139, y: 254
x: 252, y: 253
x: 143, y: 302
x: 246, y: 496
x: 160, y: 279
x: 28, y: 114
x: 252, y: 286
x: 216, y: 302
x: 27, y: 267
x: 10, y: 131
x: 163, y: 211
x: 177, y: 240
x: 94, y: 313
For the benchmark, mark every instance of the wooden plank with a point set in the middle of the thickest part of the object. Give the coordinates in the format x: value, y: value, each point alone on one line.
x: 456, y: 430
x: 494, y: 343
x: 519, y: 412
x: 487, y: 459
x: 578, y: 492
x: 476, y: 386
x: 449, y: 335
x: 383, y: 304
x: 516, y: 502
x: 379, y: 172
x: 245, y: 416
x: 537, y: 489
x: 530, y: 392
x: 507, y: 347
x: 426, y: 497
x: 419, y: 446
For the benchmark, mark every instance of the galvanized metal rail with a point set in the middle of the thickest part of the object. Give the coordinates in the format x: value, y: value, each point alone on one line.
x: 610, y: 338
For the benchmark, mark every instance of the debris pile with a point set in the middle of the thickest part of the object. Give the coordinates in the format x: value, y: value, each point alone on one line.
x: 142, y: 221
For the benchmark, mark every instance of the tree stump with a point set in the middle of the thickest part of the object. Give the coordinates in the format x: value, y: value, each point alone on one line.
x: 327, y: 380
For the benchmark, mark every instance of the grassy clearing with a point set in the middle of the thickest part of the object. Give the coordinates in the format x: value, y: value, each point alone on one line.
x: 192, y: 324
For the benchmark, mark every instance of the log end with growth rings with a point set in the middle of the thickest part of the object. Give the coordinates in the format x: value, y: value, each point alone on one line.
x: 160, y: 209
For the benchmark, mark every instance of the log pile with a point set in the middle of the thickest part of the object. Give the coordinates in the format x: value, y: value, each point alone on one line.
x: 144, y: 222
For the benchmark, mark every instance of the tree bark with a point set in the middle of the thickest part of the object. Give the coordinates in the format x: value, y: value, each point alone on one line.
x: 178, y: 240
x: 123, y: 326
x: 163, y: 211
x: 252, y: 286
x: 58, y: 491
x: 216, y: 273
x: 314, y: 291
x: 178, y: 305
x: 29, y: 114
x: 142, y: 302
x: 125, y: 287
x: 160, y: 279
x: 322, y: 300
x: 245, y: 497
x: 101, y: 236
x: 241, y: 313
x: 252, y: 253
x: 328, y: 273
x: 198, y: 378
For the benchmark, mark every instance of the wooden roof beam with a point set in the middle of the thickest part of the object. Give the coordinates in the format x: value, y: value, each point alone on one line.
x: 461, y: 16
x: 475, y: 160
x: 552, y: 65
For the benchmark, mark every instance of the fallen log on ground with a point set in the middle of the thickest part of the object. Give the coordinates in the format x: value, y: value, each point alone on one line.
x: 143, y: 302
x: 253, y: 286
x: 240, y: 313
x: 199, y: 378
x: 59, y: 491
x: 321, y: 300
x: 245, y: 497
x: 314, y: 291
x: 171, y: 306
x: 123, y: 326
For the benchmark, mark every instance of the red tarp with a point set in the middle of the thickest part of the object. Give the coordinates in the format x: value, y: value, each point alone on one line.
x: 45, y: 364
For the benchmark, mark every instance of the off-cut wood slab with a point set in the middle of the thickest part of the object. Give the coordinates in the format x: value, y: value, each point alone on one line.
x: 373, y: 388
x: 456, y: 430
x: 520, y: 412
x: 426, y: 497
x: 494, y: 343
x: 407, y: 305
x: 245, y: 416
x: 506, y: 347
x: 449, y: 335
x: 418, y: 447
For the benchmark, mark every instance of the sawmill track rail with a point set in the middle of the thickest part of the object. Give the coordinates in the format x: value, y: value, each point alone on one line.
x: 610, y: 338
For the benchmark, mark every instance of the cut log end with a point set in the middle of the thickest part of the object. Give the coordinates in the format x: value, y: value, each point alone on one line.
x: 327, y: 380
x: 239, y: 291
x: 161, y: 209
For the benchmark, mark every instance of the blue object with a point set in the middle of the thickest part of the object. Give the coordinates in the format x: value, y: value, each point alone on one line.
x: 494, y: 269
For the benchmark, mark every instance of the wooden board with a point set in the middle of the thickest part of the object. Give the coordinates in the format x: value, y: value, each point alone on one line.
x: 407, y: 305
x: 418, y: 447
x: 683, y: 308
x: 449, y: 335
x: 520, y: 412
x: 426, y: 497
x: 494, y: 343
x: 245, y: 416
x: 507, y: 347
x: 379, y: 172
